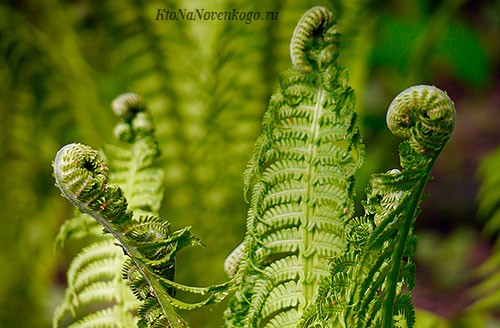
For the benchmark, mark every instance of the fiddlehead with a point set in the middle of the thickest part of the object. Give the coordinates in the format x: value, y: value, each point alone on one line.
x: 82, y: 177
x: 135, y: 121
x: 314, y: 40
x: 423, y: 114
x: 376, y: 291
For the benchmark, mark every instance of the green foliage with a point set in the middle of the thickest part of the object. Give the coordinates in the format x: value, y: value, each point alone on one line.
x: 487, y: 292
x: 300, y: 216
x: 146, y: 240
x: 95, y: 274
x: 305, y: 261
x: 301, y: 181
x: 206, y: 84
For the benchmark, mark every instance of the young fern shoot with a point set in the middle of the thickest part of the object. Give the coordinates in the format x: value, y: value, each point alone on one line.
x: 82, y: 176
x: 301, y: 182
x: 370, y: 285
x: 95, y: 274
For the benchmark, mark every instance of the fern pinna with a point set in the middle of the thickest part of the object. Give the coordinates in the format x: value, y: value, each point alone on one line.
x: 82, y: 176
x: 301, y: 182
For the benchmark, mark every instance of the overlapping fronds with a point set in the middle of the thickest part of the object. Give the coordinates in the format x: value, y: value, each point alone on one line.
x: 146, y: 239
x: 370, y: 286
x: 305, y: 260
x: 300, y: 182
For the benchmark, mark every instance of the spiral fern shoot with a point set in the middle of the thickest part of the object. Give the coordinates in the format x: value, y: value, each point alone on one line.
x: 304, y: 55
x: 370, y: 285
x: 95, y: 274
x: 301, y: 183
x: 82, y: 176
x: 425, y: 116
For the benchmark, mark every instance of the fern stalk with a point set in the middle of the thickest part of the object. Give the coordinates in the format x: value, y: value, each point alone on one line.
x: 401, y: 243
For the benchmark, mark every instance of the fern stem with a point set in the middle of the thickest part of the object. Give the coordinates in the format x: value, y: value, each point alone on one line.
x: 404, y: 233
x: 425, y: 116
x: 308, y: 286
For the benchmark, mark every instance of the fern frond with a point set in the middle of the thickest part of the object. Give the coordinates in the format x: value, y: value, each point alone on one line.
x: 301, y: 176
x: 82, y: 176
x: 135, y: 158
x: 377, y: 290
x: 92, y: 278
x: 425, y: 116
x: 105, y: 318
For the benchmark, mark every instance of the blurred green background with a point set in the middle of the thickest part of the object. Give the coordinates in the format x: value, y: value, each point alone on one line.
x: 207, y: 84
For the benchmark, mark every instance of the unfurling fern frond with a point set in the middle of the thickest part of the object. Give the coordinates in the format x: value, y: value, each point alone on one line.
x: 376, y: 291
x: 132, y: 169
x: 82, y: 176
x: 301, y: 182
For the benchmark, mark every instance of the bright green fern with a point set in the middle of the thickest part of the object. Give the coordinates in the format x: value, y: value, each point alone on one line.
x: 306, y: 259
x: 95, y: 275
x: 148, y: 270
x: 301, y: 181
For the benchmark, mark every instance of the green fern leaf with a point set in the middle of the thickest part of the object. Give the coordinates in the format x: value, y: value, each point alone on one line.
x: 150, y: 246
x: 300, y: 177
x: 100, y: 262
x: 105, y: 318
x: 376, y: 291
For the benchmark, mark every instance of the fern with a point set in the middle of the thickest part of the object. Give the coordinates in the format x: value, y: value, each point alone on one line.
x: 147, y: 240
x: 300, y: 215
x: 132, y: 169
x: 305, y: 261
x: 371, y: 284
x: 301, y: 182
